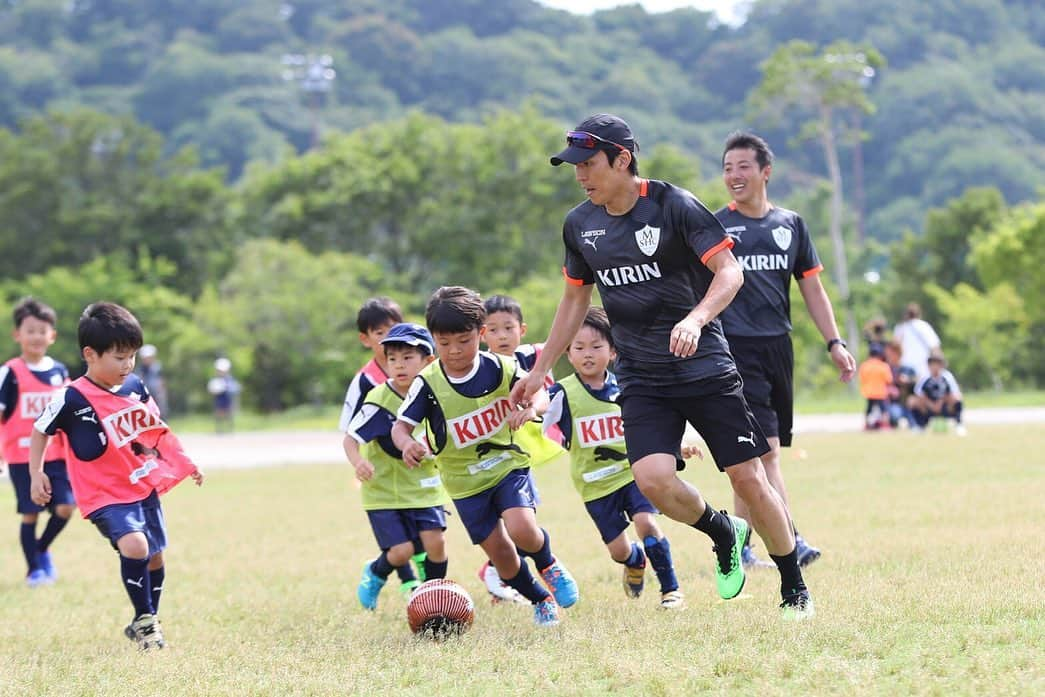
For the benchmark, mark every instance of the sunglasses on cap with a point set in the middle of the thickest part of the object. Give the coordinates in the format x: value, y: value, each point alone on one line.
x: 589, y: 141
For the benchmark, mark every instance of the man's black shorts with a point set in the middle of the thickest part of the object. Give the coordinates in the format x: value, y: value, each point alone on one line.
x: 655, y: 420
x: 767, y: 365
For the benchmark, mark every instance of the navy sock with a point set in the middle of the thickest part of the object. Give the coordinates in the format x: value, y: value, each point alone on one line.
x: 435, y: 569
x: 659, y: 553
x: 636, y: 559
x: 542, y: 558
x: 27, y: 536
x: 716, y: 526
x: 957, y: 412
x: 526, y: 584
x: 405, y: 572
x: 54, y: 526
x: 790, y: 574
x: 156, y: 577
x: 381, y: 566
x: 135, y: 576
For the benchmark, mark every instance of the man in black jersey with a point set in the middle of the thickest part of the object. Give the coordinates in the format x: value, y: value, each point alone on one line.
x: 772, y: 245
x: 664, y: 270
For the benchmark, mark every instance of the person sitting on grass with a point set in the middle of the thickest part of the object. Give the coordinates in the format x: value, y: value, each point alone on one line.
x: 938, y: 394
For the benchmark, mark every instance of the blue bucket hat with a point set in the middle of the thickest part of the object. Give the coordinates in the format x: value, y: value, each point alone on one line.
x: 412, y: 335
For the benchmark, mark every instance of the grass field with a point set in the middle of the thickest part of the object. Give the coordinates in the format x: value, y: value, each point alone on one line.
x: 931, y: 583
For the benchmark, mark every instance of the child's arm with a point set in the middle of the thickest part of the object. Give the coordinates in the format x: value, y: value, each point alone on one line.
x: 364, y: 468
x: 403, y: 439
x: 40, y: 483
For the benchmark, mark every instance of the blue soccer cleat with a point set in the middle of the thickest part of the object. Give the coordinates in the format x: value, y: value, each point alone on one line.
x: 47, y: 564
x: 561, y: 584
x: 37, y: 578
x: 807, y: 554
x: 546, y: 613
x: 369, y: 588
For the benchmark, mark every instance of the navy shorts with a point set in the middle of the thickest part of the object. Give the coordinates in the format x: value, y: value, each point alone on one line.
x: 61, y: 490
x: 393, y: 526
x: 481, y: 512
x: 654, y: 422
x: 767, y: 366
x: 119, y: 519
x: 613, y: 512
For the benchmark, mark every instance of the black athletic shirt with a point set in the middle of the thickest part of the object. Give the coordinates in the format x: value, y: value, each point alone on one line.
x: 648, y: 265
x: 770, y: 250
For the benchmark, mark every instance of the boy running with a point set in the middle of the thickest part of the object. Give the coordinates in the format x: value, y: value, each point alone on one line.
x: 402, y: 504
x: 464, y: 399
x: 584, y: 408
x: 27, y: 384
x: 121, y: 457
x: 374, y: 319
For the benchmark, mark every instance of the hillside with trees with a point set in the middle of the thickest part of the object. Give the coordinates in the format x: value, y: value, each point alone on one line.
x: 185, y: 145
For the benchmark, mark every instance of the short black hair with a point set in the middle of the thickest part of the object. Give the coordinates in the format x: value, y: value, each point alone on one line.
x: 742, y: 140
x: 454, y: 309
x: 104, y: 326
x: 599, y: 321
x: 31, y: 307
x: 613, y: 151
x: 390, y: 345
x: 377, y: 312
x: 503, y: 303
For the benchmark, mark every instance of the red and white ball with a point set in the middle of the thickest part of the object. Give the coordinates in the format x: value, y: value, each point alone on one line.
x: 440, y: 608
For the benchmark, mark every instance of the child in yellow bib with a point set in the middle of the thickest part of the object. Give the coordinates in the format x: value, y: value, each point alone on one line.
x: 463, y: 398
x: 402, y: 504
x: 584, y: 407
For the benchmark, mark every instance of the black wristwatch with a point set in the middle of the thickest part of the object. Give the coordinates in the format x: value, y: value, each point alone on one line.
x: 832, y: 342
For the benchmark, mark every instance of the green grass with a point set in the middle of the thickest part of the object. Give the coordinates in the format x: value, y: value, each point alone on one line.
x: 930, y: 584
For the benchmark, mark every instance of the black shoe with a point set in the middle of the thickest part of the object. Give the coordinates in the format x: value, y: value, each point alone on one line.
x: 797, y: 606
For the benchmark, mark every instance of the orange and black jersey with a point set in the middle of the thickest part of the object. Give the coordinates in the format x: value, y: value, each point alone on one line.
x: 649, y: 267
x: 770, y: 250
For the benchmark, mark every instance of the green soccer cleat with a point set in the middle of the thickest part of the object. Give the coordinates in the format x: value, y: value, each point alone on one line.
x: 419, y: 565
x: 729, y: 571
x: 407, y: 587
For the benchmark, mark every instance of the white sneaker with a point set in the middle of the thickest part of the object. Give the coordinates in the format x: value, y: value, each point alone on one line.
x: 959, y: 430
x: 499, y: 591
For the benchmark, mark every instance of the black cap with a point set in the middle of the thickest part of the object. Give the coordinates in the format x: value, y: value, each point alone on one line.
x: 608, y: 127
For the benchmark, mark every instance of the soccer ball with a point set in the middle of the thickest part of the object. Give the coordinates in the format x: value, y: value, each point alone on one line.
x: 440, y: 608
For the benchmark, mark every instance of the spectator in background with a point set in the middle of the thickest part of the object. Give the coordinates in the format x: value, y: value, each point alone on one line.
x: 150, y: 371
x: 917, y: 339
x: 224, y: 388
x: 875, y: 380
x: 938, y: 394
x: 902, y: 388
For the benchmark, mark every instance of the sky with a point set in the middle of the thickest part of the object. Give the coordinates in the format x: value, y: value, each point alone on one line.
x: 729, y: 11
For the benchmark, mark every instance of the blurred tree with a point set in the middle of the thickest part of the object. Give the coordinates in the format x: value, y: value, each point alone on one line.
x: 940, y: 255
x: 993, y: 329
x: 75, y: 186
x: 1014, y: 253
x: 819, y: 86
x: 286, y: 318
x: 434, y: 203
x: 143, y: 286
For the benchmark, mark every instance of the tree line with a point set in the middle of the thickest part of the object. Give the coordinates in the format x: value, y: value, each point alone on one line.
x: 270, y: 270
x: 965, y: 79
